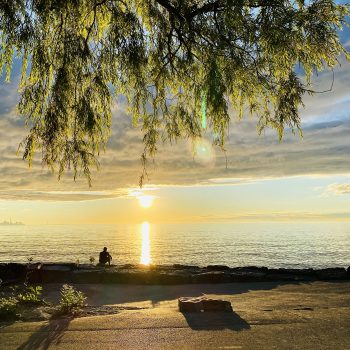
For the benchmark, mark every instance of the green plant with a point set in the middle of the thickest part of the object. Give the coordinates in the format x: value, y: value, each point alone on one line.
x: 31, y: 295
x: 8, y: 308
x: 72, y: 300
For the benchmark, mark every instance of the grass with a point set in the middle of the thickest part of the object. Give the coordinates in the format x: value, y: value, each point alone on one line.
x: 8, y: 309
x: 72, y: 301
x: 31, y: 295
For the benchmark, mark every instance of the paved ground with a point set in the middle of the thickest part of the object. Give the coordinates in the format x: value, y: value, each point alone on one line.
x: 267, y: 316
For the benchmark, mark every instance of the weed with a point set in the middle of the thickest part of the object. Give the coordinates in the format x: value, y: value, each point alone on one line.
x: 8, y: 308
x: 72, y: 301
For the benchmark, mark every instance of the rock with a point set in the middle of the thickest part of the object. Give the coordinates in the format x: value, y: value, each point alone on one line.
x: 175, y: 278
x: 336, y: 273
x: 250, y: 269
x: 211, y: 277
x: 56, y: 273
x: 190, y: 304
x: 88, y: 276
x: 217, y: 268
x: 247, y: 276
x: 129, y: 266
x: 216, y: 305
x: 298, y: 272
x: 283, y: 277
x: 12, y: 272
x: 186, y: 267
x: 34, y: 273
x: 203, y: 304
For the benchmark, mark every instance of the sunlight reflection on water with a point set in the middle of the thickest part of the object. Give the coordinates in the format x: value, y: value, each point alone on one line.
x: 146, y: 246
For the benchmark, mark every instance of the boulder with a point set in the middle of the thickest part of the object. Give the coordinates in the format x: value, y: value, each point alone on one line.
x: 217, y: 268
x: 336, y: 273
x: 87, y: 276
x: 190, y: 304
x: 175, y: 278
x: 34, y: 272
x: 203, y: 304
x: 247, y: 276
x: 216, y: 305
x: 12, y: 272
x: 283, y: 277
x: 250, y: 269
x: 186, y: 267
x: 212, y: 277
x: 56, y: 273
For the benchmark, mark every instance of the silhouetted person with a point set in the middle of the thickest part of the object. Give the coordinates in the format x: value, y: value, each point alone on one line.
x: 105, y: 257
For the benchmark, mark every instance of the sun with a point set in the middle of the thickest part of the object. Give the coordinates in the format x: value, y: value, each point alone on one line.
x: 145, y: 201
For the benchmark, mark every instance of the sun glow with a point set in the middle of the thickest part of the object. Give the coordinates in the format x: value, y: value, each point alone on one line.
x: 146, y: 246
x: 145, y: 201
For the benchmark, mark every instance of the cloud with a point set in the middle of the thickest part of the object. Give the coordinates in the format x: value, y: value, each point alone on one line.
x: 324, y: 150
x: 337, y: 189
x: 58, y: 196
x: 277, y: 216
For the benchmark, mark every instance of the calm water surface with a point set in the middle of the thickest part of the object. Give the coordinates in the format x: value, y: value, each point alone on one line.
x: 268, y: 244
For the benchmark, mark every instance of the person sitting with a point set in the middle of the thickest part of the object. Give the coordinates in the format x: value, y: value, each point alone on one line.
x: 105, y: 257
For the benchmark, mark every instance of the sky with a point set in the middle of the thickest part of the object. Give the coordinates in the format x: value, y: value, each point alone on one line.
x: 259, y: 178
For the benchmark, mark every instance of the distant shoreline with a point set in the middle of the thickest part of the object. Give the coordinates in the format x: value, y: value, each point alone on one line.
x: 10, y: 223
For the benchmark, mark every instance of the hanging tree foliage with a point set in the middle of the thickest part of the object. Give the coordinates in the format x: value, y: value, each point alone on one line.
x: 176, y: 61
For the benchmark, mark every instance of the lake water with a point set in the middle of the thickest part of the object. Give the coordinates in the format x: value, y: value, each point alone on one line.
x: 234, y: 244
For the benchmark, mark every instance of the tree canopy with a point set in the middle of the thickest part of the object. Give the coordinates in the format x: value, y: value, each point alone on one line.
x: 181, y: 65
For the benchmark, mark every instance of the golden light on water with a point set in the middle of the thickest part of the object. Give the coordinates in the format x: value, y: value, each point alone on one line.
x: 145, y: 201
x: 146, y: 244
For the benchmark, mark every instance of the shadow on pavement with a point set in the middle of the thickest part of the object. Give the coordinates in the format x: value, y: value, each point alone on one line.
x: 47, y: 335
x: 215, y: 321
x: 123, y: 293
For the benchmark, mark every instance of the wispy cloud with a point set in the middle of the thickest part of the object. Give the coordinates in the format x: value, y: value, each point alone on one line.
x: 324, y: 150
x: 337, y: 189
x: 277, y: 216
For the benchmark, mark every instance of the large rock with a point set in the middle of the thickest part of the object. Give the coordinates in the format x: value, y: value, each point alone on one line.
x: 203, y: 304
x: 56, y: 273
x: 212, y: 277
x: 175, y: 278
x: 218, y: 268
x: 247, y: 276
x: 87, y: 276
x: 336, y: 273
x: 12, y: 273
x: 250, y: 269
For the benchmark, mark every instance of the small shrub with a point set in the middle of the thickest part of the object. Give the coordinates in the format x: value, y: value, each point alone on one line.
x: 72, y: 301
x: 8, y: 308
x: 31, y: 295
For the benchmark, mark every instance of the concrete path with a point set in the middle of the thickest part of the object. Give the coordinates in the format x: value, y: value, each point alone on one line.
x: 267, y: 316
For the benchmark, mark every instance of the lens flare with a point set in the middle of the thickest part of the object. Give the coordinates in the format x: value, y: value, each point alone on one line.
x: 146, y: 244
x: 204, y: 152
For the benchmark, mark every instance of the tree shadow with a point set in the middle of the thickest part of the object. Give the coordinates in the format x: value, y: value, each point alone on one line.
x: 215, y: 321
x: 47, y: 335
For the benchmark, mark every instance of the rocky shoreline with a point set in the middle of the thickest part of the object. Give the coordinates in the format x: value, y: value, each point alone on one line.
x: 11, y: 273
